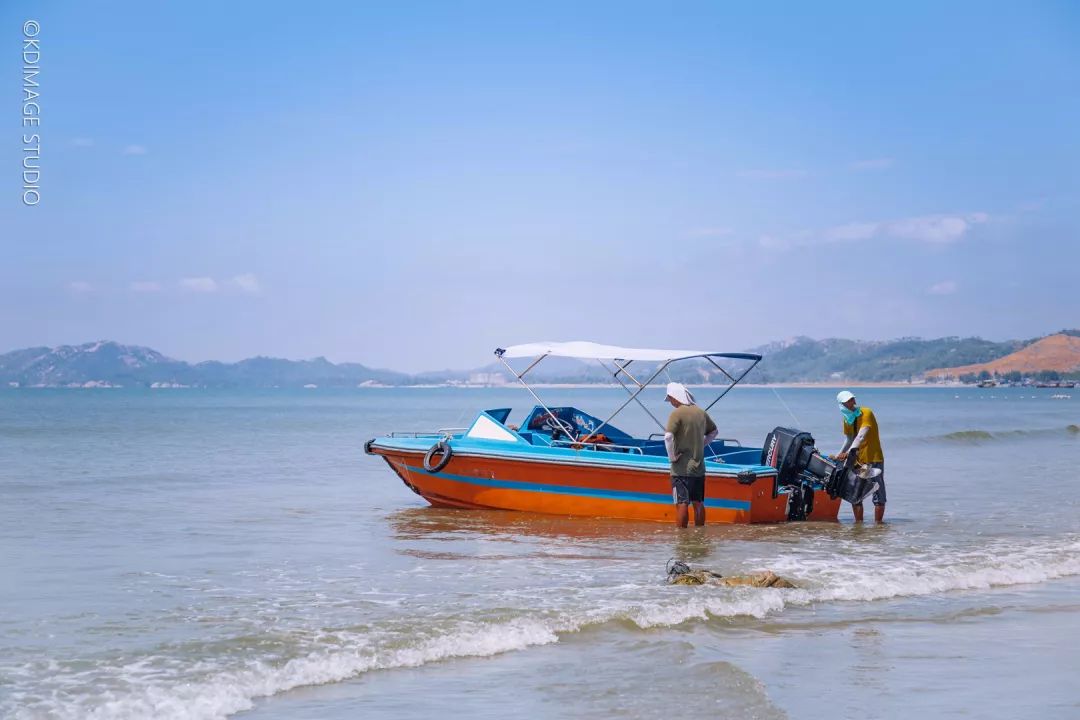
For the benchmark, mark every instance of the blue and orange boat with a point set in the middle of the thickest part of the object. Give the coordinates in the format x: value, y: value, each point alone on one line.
x: 562, y: 460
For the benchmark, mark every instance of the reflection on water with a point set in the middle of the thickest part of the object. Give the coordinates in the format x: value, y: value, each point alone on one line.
x: 429, y: 523
x: 692, y: 545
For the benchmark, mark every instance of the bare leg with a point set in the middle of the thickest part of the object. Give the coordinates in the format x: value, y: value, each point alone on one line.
x: 879, y: 513
x: 857, y: 511
x: 699, y: 513
x: 682, y: 515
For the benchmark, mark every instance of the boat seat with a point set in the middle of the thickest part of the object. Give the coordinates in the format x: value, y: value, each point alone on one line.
x: 535, y: 438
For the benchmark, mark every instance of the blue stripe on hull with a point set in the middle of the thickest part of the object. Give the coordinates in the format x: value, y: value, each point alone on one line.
x: 581, y: 491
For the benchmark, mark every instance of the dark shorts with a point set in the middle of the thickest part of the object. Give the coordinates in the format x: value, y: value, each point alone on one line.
x: 879, y: 495
x: 686, y: 489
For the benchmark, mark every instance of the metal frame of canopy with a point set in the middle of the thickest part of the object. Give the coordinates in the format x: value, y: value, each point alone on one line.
x: 621, y: 358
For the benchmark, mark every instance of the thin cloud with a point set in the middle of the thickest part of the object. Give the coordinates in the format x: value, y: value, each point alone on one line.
x: 872, y: 164
x: 933, y: 229
x: 80, y: 287
x: 199, y: 284
x: 135, y: 150
x: 928, y: 229
x: 82, y: 142
x: 945, y: 287
x: 145, y: 286
x: 852, y: 231
x: 781, y: 174
x: 248, y: 283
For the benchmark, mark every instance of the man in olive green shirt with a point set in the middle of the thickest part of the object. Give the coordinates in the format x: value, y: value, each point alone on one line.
x: 689, y: 431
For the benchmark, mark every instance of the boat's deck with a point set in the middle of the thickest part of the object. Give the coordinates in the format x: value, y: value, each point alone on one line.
x: 574, y: 428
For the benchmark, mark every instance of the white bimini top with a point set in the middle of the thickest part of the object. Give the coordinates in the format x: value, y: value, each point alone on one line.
x: 583, y: 350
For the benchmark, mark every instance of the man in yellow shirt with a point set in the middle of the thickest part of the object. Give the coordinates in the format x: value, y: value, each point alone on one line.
x: 861, y: 437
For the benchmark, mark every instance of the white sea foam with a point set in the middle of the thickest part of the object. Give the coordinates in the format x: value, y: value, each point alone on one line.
x: 138, y: 691
x: 209, y: 689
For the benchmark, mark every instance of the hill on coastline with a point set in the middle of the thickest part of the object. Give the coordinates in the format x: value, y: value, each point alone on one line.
x: 806, y: 360
x: 107, y: 363
x: 1056, y: 352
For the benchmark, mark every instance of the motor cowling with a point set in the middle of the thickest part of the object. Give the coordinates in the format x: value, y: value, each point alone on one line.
x: 789, y: 451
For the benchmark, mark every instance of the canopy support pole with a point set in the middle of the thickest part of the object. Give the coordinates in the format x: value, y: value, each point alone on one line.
x: 622, y: 368
x: 733, y: 383
x: 634, y: 397
x: 717, y: 366
x: 521, y: 379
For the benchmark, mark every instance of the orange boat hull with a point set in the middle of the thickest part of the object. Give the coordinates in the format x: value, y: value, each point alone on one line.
x: 569, y: 489
x: 825, y: 508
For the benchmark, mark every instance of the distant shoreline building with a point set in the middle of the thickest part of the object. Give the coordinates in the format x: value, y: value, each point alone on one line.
x: 487, y: 379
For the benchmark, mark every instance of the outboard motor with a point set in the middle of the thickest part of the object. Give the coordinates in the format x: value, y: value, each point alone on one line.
x: 799, y: 466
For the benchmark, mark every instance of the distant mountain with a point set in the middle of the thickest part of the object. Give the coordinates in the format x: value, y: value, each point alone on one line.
x: 1056, y: 352
x: 109, y: 363
x: 275, y: 372
x: 103, y: 362
x: 805, y: 360
x: 801, y: 359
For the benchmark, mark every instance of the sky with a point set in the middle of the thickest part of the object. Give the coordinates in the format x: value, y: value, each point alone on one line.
x: 410, y: 185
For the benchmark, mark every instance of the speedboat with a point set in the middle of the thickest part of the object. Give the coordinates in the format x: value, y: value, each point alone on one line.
x: 563, y: 460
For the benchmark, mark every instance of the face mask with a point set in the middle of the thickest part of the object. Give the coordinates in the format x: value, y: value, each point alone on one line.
x: 850, y: 415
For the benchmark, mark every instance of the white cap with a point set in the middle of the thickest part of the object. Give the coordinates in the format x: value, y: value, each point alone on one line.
x: 843, y: 396
x: 680, y: 393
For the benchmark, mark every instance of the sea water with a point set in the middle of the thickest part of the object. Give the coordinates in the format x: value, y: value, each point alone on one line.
x: 198, y: 554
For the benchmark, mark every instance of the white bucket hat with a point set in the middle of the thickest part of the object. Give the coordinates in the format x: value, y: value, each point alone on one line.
x: 843, y: 396
x: 680, y: 393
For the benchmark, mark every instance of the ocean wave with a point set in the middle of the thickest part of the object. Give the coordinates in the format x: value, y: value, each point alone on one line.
x: 999, y: 564
x: 975, y: 437
x: 137, y: 691
x: 169, y: 687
